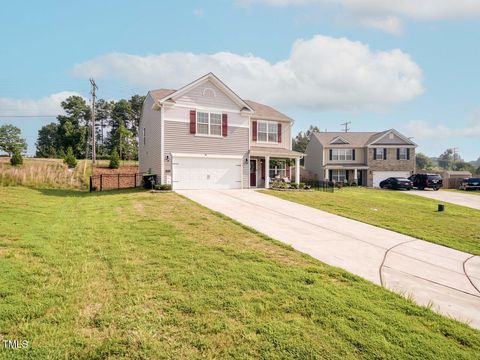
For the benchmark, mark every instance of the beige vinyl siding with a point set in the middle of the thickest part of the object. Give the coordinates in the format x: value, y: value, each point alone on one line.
x: 149, y: 155
x: 179, y: 140
x: 182, y: 114
x: 360, y: 156
x: 286, y: 136
x: 314, y: 158
x: 201, y: 96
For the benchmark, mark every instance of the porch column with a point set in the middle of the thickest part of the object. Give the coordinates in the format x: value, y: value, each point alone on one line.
x: 355, y: 175
x: 297, y: 171
x: 326, y: 175
x: 267, y: 172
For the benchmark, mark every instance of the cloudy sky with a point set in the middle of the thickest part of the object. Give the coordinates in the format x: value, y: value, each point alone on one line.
x: 405, y: 64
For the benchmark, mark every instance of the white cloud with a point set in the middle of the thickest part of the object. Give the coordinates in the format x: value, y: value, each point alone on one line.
x: 49, y: 105
x: 321, y: 72
x: 425, y: 131
x: 390, y: 24
x: 199, y: 13
x: 388, y: 15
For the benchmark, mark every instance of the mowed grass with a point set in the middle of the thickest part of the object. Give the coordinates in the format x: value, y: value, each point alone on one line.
x: 457, y: 227
x: 125, y: 275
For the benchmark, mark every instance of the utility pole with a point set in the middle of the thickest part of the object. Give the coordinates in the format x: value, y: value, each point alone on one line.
x: 345, y: 124
x: 94, y: 152
x: 454, y: 151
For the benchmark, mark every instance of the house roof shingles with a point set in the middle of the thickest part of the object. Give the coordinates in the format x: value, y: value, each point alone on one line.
x: 261, y: 110
x: 355, y: 139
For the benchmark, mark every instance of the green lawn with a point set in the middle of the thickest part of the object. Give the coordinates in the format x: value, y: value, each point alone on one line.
x: 149, y: 276
x: 458, y: 227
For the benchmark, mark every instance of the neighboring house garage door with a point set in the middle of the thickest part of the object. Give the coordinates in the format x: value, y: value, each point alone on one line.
x: 195, y: 172
x: 382, y: 175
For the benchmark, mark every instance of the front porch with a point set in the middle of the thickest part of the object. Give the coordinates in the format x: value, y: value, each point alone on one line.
x: 347, y: 174
x: 270, y: 164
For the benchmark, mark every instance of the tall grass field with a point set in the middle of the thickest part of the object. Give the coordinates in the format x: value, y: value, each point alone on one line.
x: 44, y: 173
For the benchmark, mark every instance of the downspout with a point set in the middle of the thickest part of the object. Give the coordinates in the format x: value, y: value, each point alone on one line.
x: 162, y: 145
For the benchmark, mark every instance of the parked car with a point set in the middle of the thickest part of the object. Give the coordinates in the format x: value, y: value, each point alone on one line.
x: 396, y: 183
x: 423, y: 181
x: 470, y: 184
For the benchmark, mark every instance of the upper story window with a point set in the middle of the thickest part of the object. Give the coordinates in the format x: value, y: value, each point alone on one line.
x: 402, y: 154
x: 379, y: 154
x: 209, y: 124
x: 342, y: 154
x: 267, y: 131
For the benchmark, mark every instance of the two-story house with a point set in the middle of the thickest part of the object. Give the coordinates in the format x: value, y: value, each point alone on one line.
x: 204, y: 136
x: 365, y: 158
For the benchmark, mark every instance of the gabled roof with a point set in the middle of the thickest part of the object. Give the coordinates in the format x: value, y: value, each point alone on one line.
x: 258, y: 110
x: 339, y: 140
x: 162, y: 95
x: 266, y: 112
x: 393, y: 132
x: 355, y: 139
x: 358, y: 139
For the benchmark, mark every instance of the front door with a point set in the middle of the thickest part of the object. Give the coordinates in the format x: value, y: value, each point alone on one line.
x: 253, y: 172
x: 360, y: 177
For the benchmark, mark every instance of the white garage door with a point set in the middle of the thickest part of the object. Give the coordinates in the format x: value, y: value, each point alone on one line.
x: 206, y: 173
x: 382, y: 175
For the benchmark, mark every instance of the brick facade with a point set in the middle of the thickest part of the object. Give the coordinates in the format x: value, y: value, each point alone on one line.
x: 390, y: 164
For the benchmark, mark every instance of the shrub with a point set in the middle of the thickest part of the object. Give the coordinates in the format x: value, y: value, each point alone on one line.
x: 70, y: 159
x: 114, y: 160
x: 163, y: 187
x: 16, y: 158
x: 301, y: 185
x: 294, y: 185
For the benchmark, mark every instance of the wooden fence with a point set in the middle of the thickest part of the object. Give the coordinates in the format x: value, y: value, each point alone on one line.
x: 115, y: 181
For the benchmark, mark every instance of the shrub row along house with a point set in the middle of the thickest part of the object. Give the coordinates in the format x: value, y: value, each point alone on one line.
x: 204, y: 136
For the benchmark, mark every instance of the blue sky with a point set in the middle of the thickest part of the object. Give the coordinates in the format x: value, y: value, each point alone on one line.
x: 323, y: 62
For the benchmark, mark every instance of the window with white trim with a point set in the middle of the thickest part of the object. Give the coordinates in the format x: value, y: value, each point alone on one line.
x: 342, y: 154
x: 267, y: 131
x: 379, y: 154
x: 403, y: 154
x: 278, y: 169
x: 209, y: 124
x: 339, y: 175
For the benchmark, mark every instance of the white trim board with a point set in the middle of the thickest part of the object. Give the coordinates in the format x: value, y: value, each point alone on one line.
x: 211, y: 156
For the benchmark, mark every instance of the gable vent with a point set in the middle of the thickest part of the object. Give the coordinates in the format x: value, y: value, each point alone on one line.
x: 209, y: 92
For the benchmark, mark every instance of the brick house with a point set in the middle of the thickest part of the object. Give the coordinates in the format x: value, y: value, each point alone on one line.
x: 365, y: 158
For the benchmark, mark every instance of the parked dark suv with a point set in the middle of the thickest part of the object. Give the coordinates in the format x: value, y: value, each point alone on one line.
x: 470, y: 184
x: 423, y: 181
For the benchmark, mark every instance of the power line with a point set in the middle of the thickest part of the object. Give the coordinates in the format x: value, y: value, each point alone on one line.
x: 345, y: 124
x: 26, y: 116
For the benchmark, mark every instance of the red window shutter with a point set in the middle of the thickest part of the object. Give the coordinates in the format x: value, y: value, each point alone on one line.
x: 193, y: 124
x: 254, y: 131
x: 279, y: 133
x: 224, y: 124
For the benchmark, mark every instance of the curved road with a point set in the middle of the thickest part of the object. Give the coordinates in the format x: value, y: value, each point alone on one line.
x: 431, y: 274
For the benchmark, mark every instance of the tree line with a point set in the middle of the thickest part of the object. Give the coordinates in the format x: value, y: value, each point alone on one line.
x: 116, y: 129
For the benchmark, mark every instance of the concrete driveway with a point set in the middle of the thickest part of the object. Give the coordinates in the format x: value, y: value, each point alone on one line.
x: 464, y: 199
x: 431, y: 274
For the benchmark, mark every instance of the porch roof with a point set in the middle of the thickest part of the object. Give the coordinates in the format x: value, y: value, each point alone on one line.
x: 275, y: 152
x: 346, y: 167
